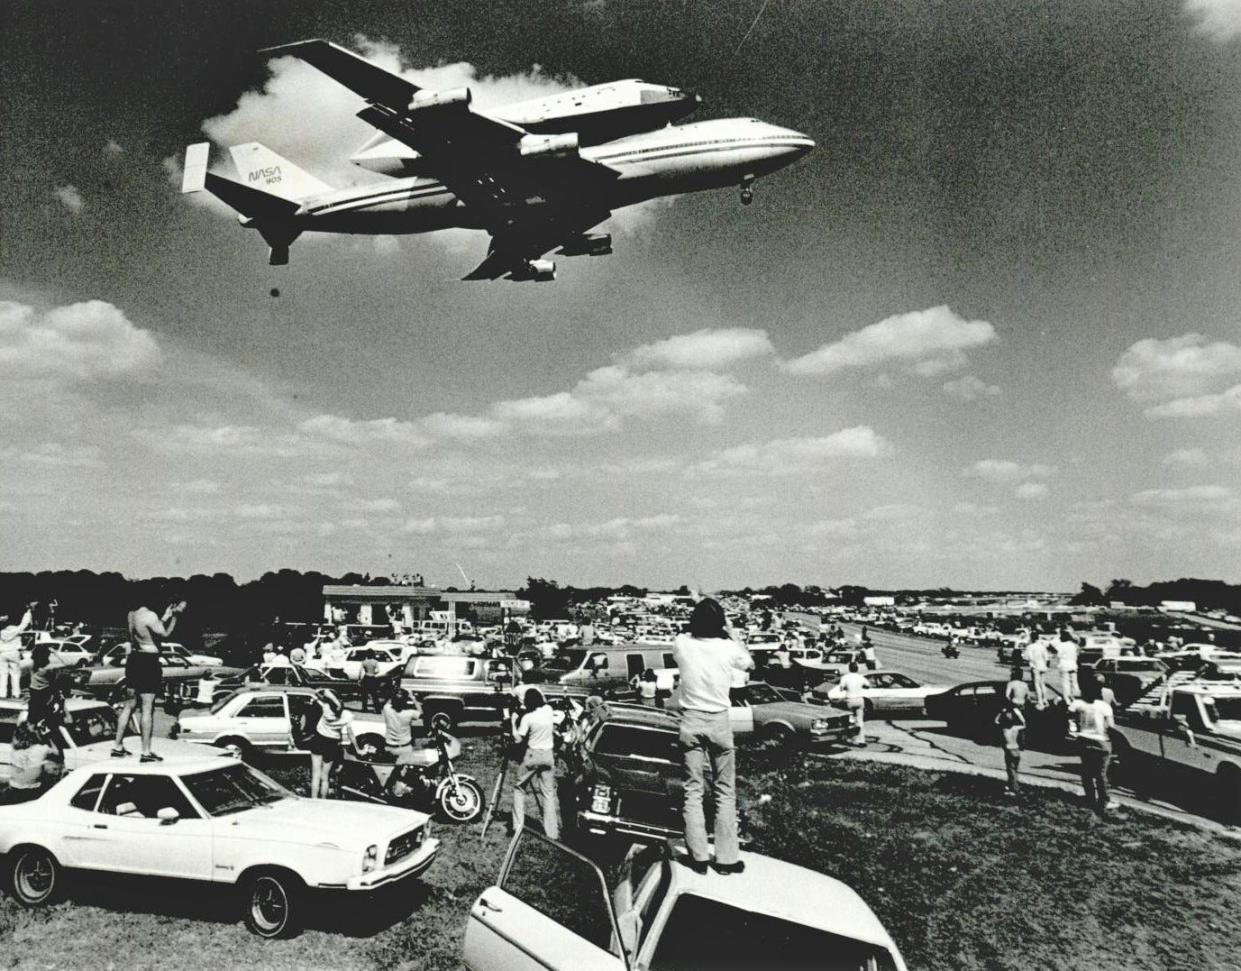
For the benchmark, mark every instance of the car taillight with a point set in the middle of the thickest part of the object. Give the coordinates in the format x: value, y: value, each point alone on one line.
x: 601, y: 799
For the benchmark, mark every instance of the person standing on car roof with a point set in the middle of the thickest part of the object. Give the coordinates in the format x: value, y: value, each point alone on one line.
x: 11, y: 653
x: 1066, y: 664
x: 143, y: 675
x: 706, y: 658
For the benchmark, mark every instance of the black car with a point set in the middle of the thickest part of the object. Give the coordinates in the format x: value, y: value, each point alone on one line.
x: 289, y: 674
x: 970, y: 710
x: 630, y: 782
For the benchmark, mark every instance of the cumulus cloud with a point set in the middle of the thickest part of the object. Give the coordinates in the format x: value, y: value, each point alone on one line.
x: 1181, y: 372
x: 970, y: 388
x: 1006, y: 471
x: 1031, y: 490
x: 788, y: 456
x: 54, y: 455
x: 349, y: 431
x: 235, y: 440
x: 930, y: 341
x: 454, y: 525
x: 1186, y: 458
x: 70, y: 197
x: 1191, y: 496
x: 1198, y: 406
x: 707, y: 349
x: 80, y: 341
x: 1220, y: 20
x: 385, y: 504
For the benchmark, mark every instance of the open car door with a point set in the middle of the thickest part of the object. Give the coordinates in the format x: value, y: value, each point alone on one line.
x: 550, y: 910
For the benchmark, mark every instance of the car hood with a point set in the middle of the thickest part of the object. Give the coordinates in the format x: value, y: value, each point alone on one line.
x: 327, y: 822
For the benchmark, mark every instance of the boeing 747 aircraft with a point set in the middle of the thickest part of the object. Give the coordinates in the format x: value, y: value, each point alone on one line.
x: 537, y: 176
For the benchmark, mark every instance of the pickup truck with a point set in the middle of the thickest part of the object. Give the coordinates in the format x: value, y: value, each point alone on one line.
x: 1190, y: 726
x: 552, y: 908
x: 453, y: 689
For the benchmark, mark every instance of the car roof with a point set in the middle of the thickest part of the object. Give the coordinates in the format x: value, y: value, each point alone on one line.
x: 174, y: 766
x: 71, y: 704
x: 789, y: 892
x: 640, y: 717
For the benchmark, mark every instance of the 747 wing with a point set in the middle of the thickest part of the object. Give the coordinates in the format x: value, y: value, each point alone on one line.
x: 533, y: 193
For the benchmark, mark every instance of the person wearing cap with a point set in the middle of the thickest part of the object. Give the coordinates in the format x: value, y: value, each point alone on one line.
x: 11, y: 653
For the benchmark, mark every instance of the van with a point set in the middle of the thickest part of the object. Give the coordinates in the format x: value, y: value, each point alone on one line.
x: 602, y: 667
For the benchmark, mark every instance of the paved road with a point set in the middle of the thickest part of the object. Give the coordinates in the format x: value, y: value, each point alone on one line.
x: 920, y: 657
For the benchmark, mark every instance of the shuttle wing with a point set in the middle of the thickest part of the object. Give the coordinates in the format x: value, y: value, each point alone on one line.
x: 495, y: 167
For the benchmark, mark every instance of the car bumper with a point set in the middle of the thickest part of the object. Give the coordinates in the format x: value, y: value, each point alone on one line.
x: 600, y: 824
x: 411, y: 866
x: 830, y: 736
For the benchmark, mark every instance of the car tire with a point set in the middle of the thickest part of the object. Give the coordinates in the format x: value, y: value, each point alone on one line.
x: 34, y: 876
x: 780, y: 736
x: 1230, y: 793
x: 272, y: 904
x: 243, y: 748
x: 441, y: 718
x: 868, y: 709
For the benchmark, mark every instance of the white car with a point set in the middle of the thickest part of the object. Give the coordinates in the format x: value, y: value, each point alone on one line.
x: 87, y: 738
x: 214, y: 821
x: 886, y: 691
x: 116, y: 655
x: 348, y: 663
x: 552, y: 908
x: 261, y: 717
x: 66, y: 653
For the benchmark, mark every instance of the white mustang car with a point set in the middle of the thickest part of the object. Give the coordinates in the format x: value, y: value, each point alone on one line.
x: 210, y: 820
x: 885, y: 691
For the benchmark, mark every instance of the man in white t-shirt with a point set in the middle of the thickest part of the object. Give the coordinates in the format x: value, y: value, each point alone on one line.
x: 537, y: 727
x: 853, y: 685
x: 1066, y: 664
x: 11, y: 654
x: 1037, y: 658
x: 1094, y: 721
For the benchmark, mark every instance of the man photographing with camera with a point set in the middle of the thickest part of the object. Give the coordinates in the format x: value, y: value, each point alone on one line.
x: 143, y: 675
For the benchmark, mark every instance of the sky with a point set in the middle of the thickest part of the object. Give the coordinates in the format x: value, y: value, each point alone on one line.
x: 986, y: 335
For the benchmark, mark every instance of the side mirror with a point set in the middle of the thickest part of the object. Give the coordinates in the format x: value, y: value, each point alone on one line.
x: 167, y: 816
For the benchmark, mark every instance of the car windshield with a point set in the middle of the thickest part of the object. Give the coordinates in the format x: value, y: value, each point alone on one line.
x: 702, y: 933
x: 232, y: 789
x: 92, y: 725
x: 219, y: 704
x: 1225, y: 709
x: 761, y: 694
x: 566, y: 661
x: 632, y: 742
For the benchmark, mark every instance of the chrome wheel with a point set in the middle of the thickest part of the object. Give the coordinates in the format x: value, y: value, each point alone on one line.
x: 463, y: 802
x: 34, y: 877
x: 269, y: 906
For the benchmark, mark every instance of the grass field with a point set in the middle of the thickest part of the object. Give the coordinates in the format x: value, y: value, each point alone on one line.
x: 961, y: 877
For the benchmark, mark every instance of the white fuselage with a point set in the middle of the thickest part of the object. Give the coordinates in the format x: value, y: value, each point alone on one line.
x: 668, y: 161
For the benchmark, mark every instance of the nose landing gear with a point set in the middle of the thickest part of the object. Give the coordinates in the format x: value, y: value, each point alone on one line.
x: 747, y: 190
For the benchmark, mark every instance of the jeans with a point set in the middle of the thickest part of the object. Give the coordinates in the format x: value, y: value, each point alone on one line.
x: 537, y: 770
x: 1068, y: 684
x: 1012, y: 762
x: 10, y: 673
x: 1095, y: 759
x: 708, y: 736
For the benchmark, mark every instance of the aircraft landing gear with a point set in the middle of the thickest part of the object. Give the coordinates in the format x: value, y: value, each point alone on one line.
x: 747, y: 190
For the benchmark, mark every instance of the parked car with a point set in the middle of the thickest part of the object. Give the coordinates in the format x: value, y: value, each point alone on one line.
x: 453, y: 689
x: 1131, y: 677
x: 116, y: 654
x: 287, y: 674
x: 885, y: 691
x: 970, y: 709
x: 261, y: 718
x: 770, y: 714
x: 552, y: 908
x: 197, y: 820
x: 347, y: 664
x: 65, y: 653
x: 180, y: 679
x: 88, y: 736
x: 630, y: 784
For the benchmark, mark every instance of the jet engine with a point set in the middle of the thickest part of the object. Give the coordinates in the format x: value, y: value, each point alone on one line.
x: 540, y: 271
x: 597, y: 244
x: 452, y: 97
x: 549, y: 146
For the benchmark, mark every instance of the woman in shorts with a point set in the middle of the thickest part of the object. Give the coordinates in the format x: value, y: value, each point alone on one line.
x: 331, y: 733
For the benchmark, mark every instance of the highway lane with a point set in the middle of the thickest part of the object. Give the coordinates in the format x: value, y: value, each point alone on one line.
x: 920, y: 657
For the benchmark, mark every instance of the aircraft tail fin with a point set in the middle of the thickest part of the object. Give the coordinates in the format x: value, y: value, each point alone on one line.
x: 260, y: 168
x: 272, y: 215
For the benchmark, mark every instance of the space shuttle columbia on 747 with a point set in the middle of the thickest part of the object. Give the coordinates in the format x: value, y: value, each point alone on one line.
x: 536, y: 175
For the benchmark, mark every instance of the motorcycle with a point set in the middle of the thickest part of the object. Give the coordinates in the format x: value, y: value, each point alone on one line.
x: 429, y: 783
x: 950, y: 650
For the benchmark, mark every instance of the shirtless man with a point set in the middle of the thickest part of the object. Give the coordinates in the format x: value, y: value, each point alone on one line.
x: 142, y: 674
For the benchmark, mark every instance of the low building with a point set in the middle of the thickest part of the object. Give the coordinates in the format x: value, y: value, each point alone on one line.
x: 410, y: 605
